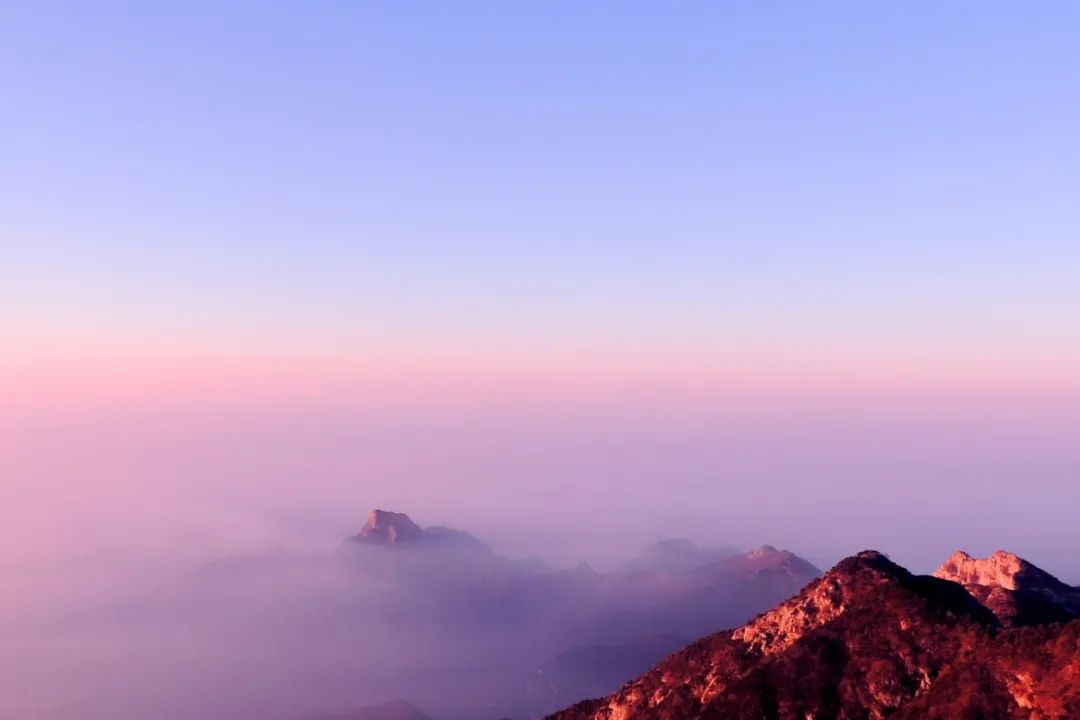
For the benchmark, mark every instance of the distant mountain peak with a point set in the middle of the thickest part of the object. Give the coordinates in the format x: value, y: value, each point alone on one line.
x: 391, y: 527
x: 679, y: 543
x: 766, y: 561
x: 674, y: 555
x: 396, y: 529
x: 762, y: 551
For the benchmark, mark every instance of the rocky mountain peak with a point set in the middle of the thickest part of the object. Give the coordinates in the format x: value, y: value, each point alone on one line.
x: 781, y: 627
x: 819, y: 603
x: 1002, y: 569
x: 390, y: 527
x: 1017, y: 591
x: 767, y: 561
x: 394, y: 529
x: 763, y: 551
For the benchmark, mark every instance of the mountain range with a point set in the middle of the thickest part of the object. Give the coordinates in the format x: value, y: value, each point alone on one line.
x: 994, y: 639
x: 587, y: 631
x: 434, y: 615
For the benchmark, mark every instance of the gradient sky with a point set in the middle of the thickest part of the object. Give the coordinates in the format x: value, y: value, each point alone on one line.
x: 712, y: 266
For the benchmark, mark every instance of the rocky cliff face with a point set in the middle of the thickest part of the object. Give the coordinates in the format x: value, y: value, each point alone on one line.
x: 1018, y: 592
x: 869, y: 640
x: 1002, y: 569
x: 395, y: 529
x: 390, y: 527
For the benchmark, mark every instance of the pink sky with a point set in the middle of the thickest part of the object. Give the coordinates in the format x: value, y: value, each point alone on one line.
x: 136, y: 457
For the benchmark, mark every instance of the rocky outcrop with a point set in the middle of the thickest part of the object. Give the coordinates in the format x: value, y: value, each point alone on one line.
x: 778, y: 629
x: 1002, y: 569
x: 384, y: 527
x: 398, y: 530
x: 1017, y: 591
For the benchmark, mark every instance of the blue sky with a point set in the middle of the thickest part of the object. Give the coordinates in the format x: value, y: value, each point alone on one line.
x: 384, y: 170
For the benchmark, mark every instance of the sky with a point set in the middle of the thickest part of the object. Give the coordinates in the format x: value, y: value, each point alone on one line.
x: 572, y: 275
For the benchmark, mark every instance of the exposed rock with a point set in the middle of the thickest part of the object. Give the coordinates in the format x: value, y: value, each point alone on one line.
x: 397, y: 529
x: 390, y: 527
x: 1001, y: 569
x: 778, y: 629
x: 1018, y: 592
x: 763, y: 551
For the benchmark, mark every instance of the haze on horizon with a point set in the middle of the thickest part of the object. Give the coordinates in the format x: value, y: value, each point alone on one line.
x: 571, y: 277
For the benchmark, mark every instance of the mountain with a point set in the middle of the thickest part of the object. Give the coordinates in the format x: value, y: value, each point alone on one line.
x: 692, y: 600
x: 393, y: 710
x: 1018, y: 592
x: 871, y: 640
x: 436, y: 615
x: 768, y: 562
x: 638, y: 618
x: 396, y: 529
x: 672, y: 555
